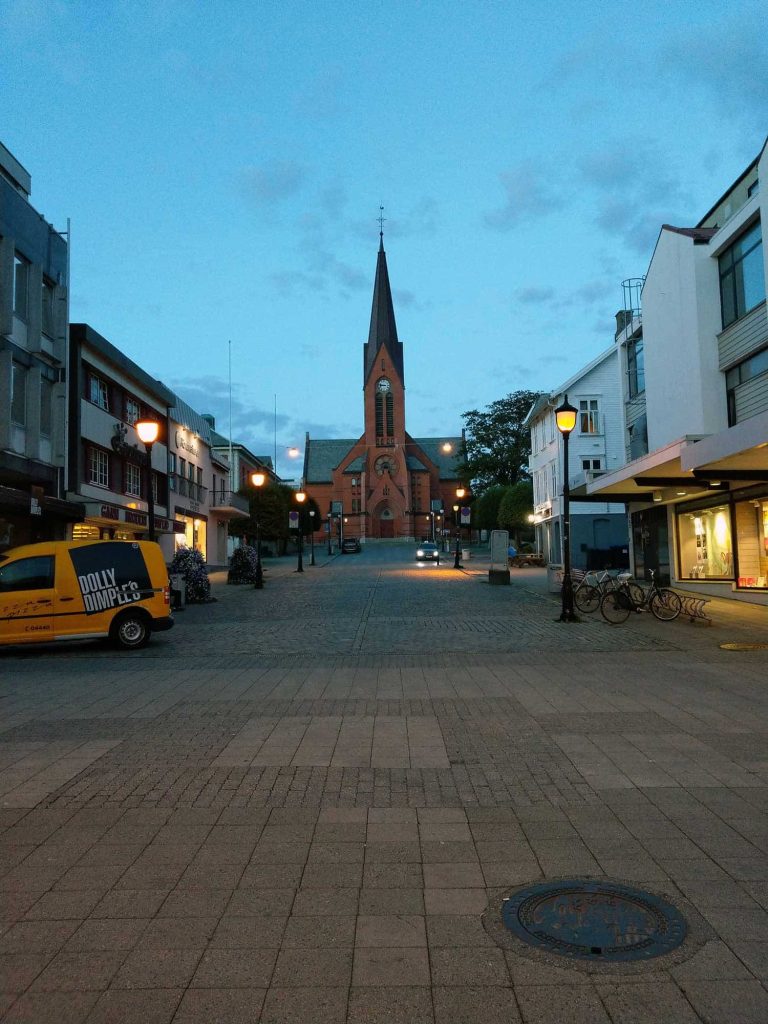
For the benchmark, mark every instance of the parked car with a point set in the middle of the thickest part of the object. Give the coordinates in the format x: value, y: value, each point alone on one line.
x: 75, y: 590
x: 350, y: 546
x: 428, y: 552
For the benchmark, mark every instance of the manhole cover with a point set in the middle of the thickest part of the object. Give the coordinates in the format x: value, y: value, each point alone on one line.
x: 598, y: 921
x: 743, y: 647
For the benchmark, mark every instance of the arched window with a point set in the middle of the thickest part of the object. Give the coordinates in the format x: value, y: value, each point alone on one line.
x: 390, y: 415
x: 379, y: 415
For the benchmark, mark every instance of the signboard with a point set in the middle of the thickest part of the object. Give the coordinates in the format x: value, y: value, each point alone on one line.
x: 436, y: 505
x: 465, y: 516
x: 110, y: 574
x: 337, y: 508
x: 293, y: 520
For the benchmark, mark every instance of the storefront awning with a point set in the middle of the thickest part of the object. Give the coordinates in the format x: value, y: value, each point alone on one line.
x: 18, y: 501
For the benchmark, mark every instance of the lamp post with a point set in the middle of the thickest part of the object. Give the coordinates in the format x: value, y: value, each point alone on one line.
x: 301, y: 497
x: 330, y: 549
x: 148, y: 431
x: 312, y: 535
x: 258, y: 479
x: 460, y: 492
x: 565, y: 417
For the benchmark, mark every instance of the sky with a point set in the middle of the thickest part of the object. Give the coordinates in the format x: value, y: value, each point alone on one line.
x: 224, y: 163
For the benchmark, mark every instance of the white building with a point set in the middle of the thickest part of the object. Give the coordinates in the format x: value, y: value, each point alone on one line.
x: 598, y: 529
x: 699, y: 498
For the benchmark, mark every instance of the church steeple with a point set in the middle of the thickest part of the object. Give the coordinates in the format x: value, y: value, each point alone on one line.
x: 383, y: 330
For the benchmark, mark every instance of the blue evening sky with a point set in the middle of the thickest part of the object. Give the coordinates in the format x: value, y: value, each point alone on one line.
x: 223, y: 164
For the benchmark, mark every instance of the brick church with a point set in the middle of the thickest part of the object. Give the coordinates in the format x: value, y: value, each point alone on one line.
x: 385, y: 483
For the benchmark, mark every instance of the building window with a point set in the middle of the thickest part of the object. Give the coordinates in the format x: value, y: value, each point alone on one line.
x: 355, y: 504
x: 133, y: 479
x: 18, y: 395
x: 706, y: 550
x: 748, y: 370
x: 132, y: 411
x: 636, y: 367
x: 589, y: 416
x: 751, y: 521
x: 48, y: 319
x: 172, y: 471
x: 156, y: 489
x: 98, y: 467
x: 98, y: 392
x: 591, y: 464
x: 46, y: 407
x: 754, y: 188
x: 742, y: 278
x: 20, y: 286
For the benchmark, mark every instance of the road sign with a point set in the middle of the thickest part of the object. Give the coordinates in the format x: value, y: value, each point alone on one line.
x: 465, y: 514
x: 293, y: 520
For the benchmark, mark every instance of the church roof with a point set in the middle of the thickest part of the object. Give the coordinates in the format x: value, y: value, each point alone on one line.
x: 383, y: 329
x: 322, y: 457
x: 446, y: 462
x: 415, y: 465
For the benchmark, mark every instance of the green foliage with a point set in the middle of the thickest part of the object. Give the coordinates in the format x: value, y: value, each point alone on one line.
x: 486, y: 508
x: 515, y: 507
x: 497, y: 445
x: 271, y: 505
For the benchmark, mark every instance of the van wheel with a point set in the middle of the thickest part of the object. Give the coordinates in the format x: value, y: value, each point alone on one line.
x: 130, y: 631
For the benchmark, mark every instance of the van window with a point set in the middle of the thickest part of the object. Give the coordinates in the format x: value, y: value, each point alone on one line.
x: 27, y: 574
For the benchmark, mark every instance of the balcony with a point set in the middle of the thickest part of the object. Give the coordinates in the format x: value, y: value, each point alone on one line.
x: 189, y: 489
x: 228, y: 505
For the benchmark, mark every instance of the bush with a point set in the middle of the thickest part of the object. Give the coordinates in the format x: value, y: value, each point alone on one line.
x: 190, y: 565
x: 242, y: 565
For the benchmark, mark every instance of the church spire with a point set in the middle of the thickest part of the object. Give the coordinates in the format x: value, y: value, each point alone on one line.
x: 383, y: 329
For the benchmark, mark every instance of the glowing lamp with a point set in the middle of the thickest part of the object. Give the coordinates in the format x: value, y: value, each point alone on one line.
x: 565, y: 416
x: 148, y: 431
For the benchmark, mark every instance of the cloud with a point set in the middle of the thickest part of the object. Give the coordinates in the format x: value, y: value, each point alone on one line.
x: 728, y: 60
x: 273, y: 181
x: 529, y: 195
x: 533, y: 296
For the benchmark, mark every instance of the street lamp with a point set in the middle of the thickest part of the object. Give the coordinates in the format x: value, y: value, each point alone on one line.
x: 565, y: 418
x: 148, y: 431
x: 312, y: 535
x: 457, y: 558
x: 330, y: 549
x: 301, y: 497
x: 258, y: 480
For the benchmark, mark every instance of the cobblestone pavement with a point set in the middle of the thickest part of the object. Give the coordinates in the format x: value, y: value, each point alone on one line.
x: 306, y: 804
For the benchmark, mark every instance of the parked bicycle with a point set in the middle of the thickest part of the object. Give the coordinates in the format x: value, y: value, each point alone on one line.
x: 616, y: 605
x: 590, y: 589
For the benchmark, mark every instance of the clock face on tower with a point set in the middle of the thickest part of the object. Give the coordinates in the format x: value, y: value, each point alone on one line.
x: 383, y: 385
x: 385, y: 462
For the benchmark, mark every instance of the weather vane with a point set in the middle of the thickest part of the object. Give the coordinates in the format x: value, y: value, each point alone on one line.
x: 382, y: 218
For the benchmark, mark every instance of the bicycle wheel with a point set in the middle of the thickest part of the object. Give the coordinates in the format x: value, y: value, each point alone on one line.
x: 615, y: 607
x: 665, y: 604
x: 637, y: 594
x: 587, y: 599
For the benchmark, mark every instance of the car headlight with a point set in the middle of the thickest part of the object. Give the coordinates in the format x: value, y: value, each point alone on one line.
x: 419, y: 554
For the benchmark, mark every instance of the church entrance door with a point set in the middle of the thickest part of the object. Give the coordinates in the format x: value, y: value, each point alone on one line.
x: 386, y: 528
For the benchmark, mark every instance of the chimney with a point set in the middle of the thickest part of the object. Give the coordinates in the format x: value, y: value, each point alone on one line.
x: 209, y: 419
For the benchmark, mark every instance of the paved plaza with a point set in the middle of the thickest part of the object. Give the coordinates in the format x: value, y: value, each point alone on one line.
x: 308, y: 803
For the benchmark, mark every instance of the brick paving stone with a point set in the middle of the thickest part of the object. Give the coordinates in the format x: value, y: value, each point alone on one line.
x: 390, y: 1006
x: 728, y: 1002
x: 51, y: 1008
x: 432, y: 778
x: 233, y: 1006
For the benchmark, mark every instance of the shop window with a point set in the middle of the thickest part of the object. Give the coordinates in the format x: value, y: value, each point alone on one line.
x: 46, y: 407
x: 133, y: 479
x: 98, y: 391
x: 742, y: 278
x: 20, y: 286
x: 706, y: 549
x: 132, y: 411
x: 752, y: 540
x: 18, y: 394
x: 589, y: 416
x: 85, y: 531
x: 98, y: 467
x: 636, y: 367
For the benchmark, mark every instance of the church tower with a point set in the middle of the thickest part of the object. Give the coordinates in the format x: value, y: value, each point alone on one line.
x: 384, y: 484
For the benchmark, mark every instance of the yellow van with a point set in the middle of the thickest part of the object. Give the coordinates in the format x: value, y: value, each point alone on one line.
x: 81, y: 589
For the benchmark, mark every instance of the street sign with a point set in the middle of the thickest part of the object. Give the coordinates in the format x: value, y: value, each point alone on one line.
x: 465, y: 513
x: 293, y: 520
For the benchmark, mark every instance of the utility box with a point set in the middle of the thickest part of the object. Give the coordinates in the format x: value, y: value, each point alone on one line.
x: 498, y: 574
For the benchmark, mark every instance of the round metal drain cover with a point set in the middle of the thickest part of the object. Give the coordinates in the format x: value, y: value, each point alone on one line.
x: 599, y: 921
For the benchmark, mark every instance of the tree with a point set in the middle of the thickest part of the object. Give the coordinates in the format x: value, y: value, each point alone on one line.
x: 272, y: 505
x: 497, y: 445
x: 486, y: 508
x: 515, y: 507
